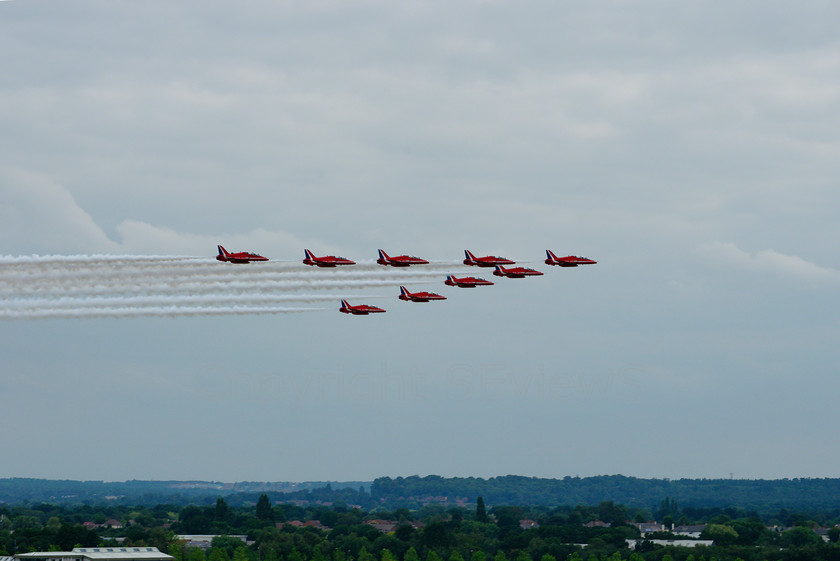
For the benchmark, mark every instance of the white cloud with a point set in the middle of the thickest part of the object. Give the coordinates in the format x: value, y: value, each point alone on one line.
x: 768, y: 262
x: 41, y: 216
x: 142, y: 238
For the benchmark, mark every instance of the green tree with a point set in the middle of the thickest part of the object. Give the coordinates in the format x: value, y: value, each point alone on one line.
x: 720, y: 533
x: 411, y: 555
x: 523, y: 556
x: 242, y: 553
x: 834, y: 534
x: 221, y: 512
x: 432, y: 556
x: 455, y: 556
x: 195, y: 554
x: 264, y: 511
x: 800, y: 536
x: 218, y: 554
x: 226, y: 543
x: 436, y: 535
x: 480, y: 510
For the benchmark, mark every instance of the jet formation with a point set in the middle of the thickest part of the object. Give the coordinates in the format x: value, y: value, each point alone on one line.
x: 499, y: 264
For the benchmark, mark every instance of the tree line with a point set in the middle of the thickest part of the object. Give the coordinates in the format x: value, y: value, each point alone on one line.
x: 763, y: 496
x: 479, y: 532
x: 757, y: 494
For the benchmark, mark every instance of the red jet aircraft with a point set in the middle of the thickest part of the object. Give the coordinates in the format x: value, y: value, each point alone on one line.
x: 466, y: 282
x: 488, y: 261
x: 418, y: 296
x: 326, y: 261
x: 360, y: 310
x: 515, y: 272
x: 240, y: 257
x: 399, y: 260
x: 568, y: 261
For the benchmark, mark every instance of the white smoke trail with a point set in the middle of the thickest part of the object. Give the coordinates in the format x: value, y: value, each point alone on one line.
x: 128, y: 286
x: 95, y: 258
x: 171, y: 311
x: 35, y: 271
x: 185, y: 278
x: 170, y: 301
x: 174, y: 286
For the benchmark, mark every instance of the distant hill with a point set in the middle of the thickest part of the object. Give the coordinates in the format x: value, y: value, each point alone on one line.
x: 24, y: 490
x: 631, y: 491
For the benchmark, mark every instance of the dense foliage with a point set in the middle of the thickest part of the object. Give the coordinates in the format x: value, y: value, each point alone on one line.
x: 760, y: 495
x: 433, y: 532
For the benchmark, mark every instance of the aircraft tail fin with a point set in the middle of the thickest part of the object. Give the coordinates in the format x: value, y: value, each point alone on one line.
x: 383, y: 255
x: 222, y: 250
x: 469, y: 254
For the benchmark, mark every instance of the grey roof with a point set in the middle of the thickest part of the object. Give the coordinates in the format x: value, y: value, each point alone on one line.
x: 102, y: 554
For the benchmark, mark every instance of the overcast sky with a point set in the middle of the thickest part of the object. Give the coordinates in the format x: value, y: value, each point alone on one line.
x: 691, y: 148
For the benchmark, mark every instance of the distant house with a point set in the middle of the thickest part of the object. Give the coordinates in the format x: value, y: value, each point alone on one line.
x: 308, y: 524
x: 528, y: 524
x: 692, y: 531
x: 822, y: 532
x: 113, y: 523
x: 384, y: 526
x: 597, y: 524
x: 204, y: 541
x: 650, y: 527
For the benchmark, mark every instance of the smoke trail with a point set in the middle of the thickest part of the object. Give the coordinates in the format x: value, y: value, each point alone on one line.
x: 95, y: 258
x: 37, y: 271
x: 187, y: 278
x: 171, y: 311
x: 174, y: 286
x: 129, y: 286
x: 170, y: 301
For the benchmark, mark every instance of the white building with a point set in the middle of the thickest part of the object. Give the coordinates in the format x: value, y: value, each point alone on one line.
x: 677, y: 543
x: 98, y: 554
